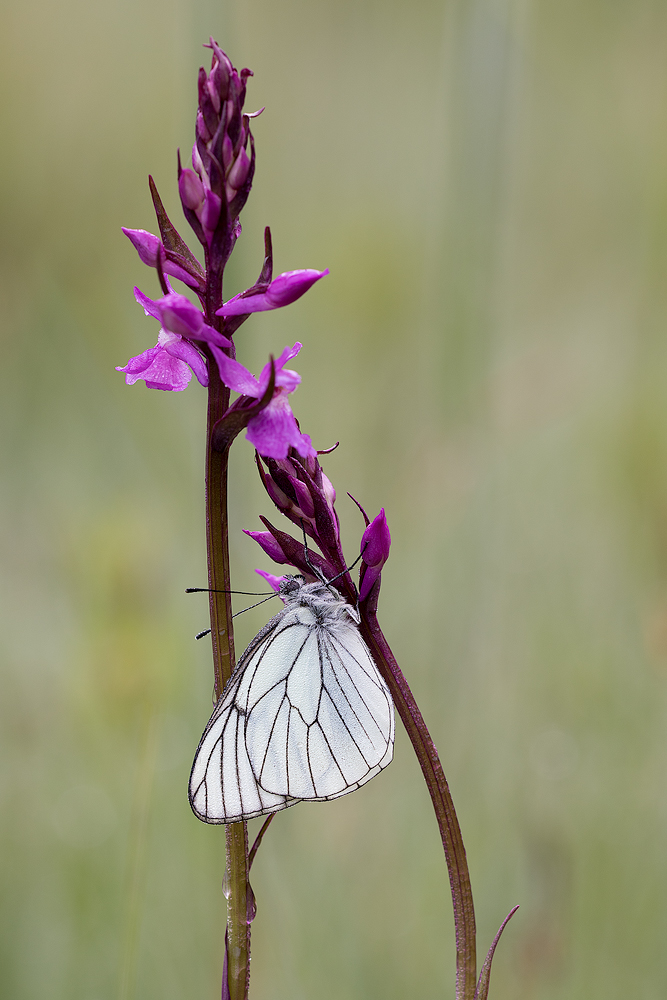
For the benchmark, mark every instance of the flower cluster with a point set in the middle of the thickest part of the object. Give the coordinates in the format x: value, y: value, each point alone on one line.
x: 302, y: 492
x: 198, y: 340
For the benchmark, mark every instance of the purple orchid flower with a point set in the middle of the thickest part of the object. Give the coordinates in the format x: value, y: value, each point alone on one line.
x: 283, y: 290
x: 166, y: 366
x: 375, y: 544
x: 274, y: 430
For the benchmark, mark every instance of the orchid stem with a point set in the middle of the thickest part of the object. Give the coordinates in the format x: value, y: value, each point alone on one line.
x: 222, y: 636
x: 455, y: 855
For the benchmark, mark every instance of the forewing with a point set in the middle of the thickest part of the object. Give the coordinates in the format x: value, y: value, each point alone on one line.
x: 331, y: 716
x: 281, y: 702
x: 223, y: 786
x: 354, y: 736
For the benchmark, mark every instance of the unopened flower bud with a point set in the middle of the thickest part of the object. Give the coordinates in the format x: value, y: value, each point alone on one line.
x: 304, y: 499
x: 210, y: 213
x: 329, y: 491
x: 181, y: 316
x: 202, y: 131
x: 212, y: 87
x: 150, y: 248
x: 198, y: 166
x: 239, y: 171
x: 191, y: 190
x: 286, y: 464
x: 375, y: 545
x: 267, y: 542
x: 283, y: 290
x: 280, y: 499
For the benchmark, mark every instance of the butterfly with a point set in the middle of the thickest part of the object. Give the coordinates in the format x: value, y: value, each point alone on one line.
x: 306, y: 714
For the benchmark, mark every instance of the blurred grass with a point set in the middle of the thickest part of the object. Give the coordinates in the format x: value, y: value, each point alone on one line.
x: 487, y: 181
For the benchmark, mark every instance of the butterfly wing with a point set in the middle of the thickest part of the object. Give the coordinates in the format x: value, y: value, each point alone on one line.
x: 331, y: 716
x: 306, y: 715
x: 223, y: 788
x: 356, y: 714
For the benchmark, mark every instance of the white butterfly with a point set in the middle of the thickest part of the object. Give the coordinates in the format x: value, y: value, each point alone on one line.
x: 305, y: 715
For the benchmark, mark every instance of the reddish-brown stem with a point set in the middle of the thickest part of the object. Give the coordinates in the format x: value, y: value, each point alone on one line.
x: 455, y: 855
x: 222, y: 636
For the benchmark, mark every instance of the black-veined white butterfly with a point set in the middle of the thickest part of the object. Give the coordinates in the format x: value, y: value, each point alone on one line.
x: 305, y: 715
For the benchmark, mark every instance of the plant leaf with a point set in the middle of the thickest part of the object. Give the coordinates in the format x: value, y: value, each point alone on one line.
x: 482, y: 990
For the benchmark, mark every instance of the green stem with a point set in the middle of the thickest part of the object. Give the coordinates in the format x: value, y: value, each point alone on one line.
x: 450, y: 831
x: 222, y: 636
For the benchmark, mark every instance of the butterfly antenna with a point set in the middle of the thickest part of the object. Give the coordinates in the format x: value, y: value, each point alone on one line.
x: 316, y: 572
x: 213, y: 590
x: 251, y: 606
x: 200, y: 635
x: 348, y: 568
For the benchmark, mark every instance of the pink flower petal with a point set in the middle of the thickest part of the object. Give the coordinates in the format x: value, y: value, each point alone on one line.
x: 178, y: 315
x: 283, y: 290
x: 235, y: 375
x: 285, y: 378
x: 181, y: 349
x: 273, y: 581
x: 150, y: 306
x: 162, y: 372
x: 274, y: 430
x: 137, y: 365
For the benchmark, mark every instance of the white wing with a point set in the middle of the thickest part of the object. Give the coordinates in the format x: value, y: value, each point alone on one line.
x: 306, y: 715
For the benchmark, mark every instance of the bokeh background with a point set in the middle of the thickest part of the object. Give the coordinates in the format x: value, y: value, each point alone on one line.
x: 487, y: 181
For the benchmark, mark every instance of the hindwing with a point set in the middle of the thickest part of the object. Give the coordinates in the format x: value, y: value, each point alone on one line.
x: 305, y: 715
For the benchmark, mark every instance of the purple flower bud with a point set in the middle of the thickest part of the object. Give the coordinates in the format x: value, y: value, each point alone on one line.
x: 202, y: 131
x: 197, y: 164
x: 303, y: 496
x: 191, y: 189
x: 267, y: 542
x: 227, y: 151
x: 210, y: 213
x: 148, y: 247
x: 329, y: 491
x: 376, y: 541
x: 239, y: 171
x: 287, y: 465
x: 375, y: 545
x: 212, y: 86
x: 280, y: 499
x: 178, y: 315
x: 283, y: 290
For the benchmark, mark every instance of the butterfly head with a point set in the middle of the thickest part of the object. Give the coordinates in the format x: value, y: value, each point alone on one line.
x: 290, y: 586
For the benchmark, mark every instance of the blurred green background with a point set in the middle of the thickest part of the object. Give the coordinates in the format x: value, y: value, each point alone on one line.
x: 487, y: 181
